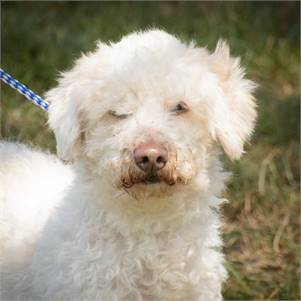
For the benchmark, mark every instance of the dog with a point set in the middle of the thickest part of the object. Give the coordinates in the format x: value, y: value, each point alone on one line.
x: 130, y: 210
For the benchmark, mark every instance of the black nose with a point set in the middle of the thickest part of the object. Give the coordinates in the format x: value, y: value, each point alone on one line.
x: 150, y: 157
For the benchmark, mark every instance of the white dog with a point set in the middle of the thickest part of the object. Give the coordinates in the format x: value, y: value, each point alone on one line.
x: 135, y: 216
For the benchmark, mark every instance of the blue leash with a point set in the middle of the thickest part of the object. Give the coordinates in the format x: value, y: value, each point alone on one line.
x: 29, y: 94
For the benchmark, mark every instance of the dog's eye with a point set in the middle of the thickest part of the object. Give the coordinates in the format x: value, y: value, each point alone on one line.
x: 116, y: 115
x: 180, y: 108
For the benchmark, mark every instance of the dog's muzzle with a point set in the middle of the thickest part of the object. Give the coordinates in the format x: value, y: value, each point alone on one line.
x: 151, y: 163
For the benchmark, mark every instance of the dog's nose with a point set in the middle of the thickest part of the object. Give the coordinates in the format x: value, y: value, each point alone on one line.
x: 151, y: 156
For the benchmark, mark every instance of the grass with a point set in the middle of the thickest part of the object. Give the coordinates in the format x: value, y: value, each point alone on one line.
x: 262, y: 221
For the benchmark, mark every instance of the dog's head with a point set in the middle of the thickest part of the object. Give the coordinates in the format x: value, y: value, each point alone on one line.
x: 149, y: 112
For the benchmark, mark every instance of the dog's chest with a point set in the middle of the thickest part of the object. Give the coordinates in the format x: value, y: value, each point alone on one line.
x: 146, y: 263
x: 102, y: 257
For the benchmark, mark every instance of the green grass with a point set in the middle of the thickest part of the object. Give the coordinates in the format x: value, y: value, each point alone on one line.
x: 262, y: 228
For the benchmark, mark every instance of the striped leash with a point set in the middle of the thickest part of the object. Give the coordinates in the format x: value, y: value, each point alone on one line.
x: 29, y: 94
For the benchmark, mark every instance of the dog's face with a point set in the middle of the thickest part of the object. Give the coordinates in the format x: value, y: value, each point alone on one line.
x: 149, y: 112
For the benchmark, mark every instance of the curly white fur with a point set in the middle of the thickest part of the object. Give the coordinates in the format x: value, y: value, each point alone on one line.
x: 94, y: 229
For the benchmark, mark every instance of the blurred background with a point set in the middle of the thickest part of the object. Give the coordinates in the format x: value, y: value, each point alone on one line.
x: 261, y: 224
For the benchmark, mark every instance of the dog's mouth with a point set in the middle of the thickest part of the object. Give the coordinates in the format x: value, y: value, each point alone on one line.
x: 150, y: 180
x: 165, y: 179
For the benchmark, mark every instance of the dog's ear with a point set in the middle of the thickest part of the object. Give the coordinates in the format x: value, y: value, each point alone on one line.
x: 234, y: 112
x: 64, y: 119
x: 66, y: 116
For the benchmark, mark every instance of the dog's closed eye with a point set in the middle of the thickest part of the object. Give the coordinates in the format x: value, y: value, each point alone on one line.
x: 180, y: 108
x: 118, y: 115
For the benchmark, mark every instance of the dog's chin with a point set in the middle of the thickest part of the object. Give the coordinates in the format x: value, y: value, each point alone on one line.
x: 151, y: 189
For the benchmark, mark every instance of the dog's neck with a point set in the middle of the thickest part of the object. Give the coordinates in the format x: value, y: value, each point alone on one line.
x: 187, y: 206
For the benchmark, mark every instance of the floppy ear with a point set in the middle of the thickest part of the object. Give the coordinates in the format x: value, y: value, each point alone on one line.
x: 234, y: 112
x: 64, y: 120
x: 66, y: 103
